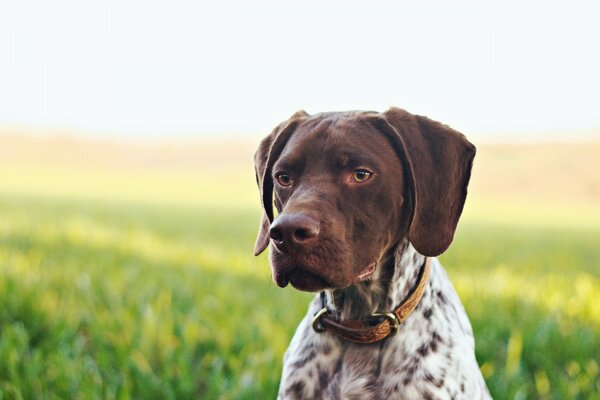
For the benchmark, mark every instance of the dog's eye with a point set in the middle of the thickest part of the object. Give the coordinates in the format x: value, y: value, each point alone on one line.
x: 361, y: 175
x: 283, y: 179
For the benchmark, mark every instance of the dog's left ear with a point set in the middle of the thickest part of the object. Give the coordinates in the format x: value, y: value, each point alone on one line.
x: 268, y: 151
x: 439, y: 160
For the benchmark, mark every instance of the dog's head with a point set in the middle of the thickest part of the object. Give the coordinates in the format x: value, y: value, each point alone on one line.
x: 350, y: 185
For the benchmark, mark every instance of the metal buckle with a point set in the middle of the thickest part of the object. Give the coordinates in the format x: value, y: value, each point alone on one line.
x: 316, y: 323
x: 391, y: 317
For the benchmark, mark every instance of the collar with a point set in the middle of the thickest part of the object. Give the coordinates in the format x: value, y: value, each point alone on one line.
x: 377, y: 326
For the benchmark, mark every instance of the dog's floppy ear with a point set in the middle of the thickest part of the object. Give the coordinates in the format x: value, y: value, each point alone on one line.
x: 268, y: 151
x: 439, y: 164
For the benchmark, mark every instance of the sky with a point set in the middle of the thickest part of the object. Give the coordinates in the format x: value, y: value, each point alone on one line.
x: 160, y: 68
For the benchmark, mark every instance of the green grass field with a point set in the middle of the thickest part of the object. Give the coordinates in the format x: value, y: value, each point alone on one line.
x: 142, y: 284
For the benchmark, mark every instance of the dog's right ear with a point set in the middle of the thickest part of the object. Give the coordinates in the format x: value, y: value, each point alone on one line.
x: 268, y: 152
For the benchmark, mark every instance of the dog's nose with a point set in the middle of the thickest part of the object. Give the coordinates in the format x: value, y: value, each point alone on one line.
x: 293, y: 230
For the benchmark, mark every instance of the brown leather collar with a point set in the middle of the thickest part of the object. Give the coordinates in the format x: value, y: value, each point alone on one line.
x: 377, y: 326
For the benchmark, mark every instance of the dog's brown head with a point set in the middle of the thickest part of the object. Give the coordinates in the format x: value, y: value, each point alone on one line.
x: 350, y: 185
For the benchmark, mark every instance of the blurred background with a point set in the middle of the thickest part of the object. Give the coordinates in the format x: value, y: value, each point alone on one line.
x: 128, y: 204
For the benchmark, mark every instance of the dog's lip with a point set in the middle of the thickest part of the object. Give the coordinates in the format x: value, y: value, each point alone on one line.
x: 366, y: 273
x: 306, y: 281
x: 281, y: 279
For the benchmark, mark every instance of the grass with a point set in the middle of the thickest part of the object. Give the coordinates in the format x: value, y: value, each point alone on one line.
x: 142, y: 284
x: 115, y: 302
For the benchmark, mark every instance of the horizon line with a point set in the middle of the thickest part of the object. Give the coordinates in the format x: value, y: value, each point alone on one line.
x: 491, y: 137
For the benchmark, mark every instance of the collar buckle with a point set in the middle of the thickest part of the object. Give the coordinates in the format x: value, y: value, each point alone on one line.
x: 316, y: 323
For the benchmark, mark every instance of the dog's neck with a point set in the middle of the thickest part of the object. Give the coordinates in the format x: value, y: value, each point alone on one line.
x: 395, y: 276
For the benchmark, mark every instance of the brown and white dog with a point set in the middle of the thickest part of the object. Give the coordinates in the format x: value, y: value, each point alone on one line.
x: 364, y: 200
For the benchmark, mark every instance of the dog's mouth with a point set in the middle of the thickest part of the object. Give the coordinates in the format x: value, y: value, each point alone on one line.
x: 365, y: 273
x: 301, y: 279
x: 307, y: 281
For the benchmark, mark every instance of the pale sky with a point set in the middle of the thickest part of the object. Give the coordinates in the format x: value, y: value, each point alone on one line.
x: 160, y: 68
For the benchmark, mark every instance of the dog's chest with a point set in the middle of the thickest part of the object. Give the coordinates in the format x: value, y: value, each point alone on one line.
x: 322, y: 367
x: 431, y: 356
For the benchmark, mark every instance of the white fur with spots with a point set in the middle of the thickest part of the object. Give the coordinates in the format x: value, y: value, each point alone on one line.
x: 430, y: 357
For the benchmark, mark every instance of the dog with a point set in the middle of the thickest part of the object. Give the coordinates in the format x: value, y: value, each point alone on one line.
x: 365, y: 202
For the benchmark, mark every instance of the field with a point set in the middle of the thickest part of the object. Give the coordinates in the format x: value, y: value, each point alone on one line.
x: 126, y: 271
